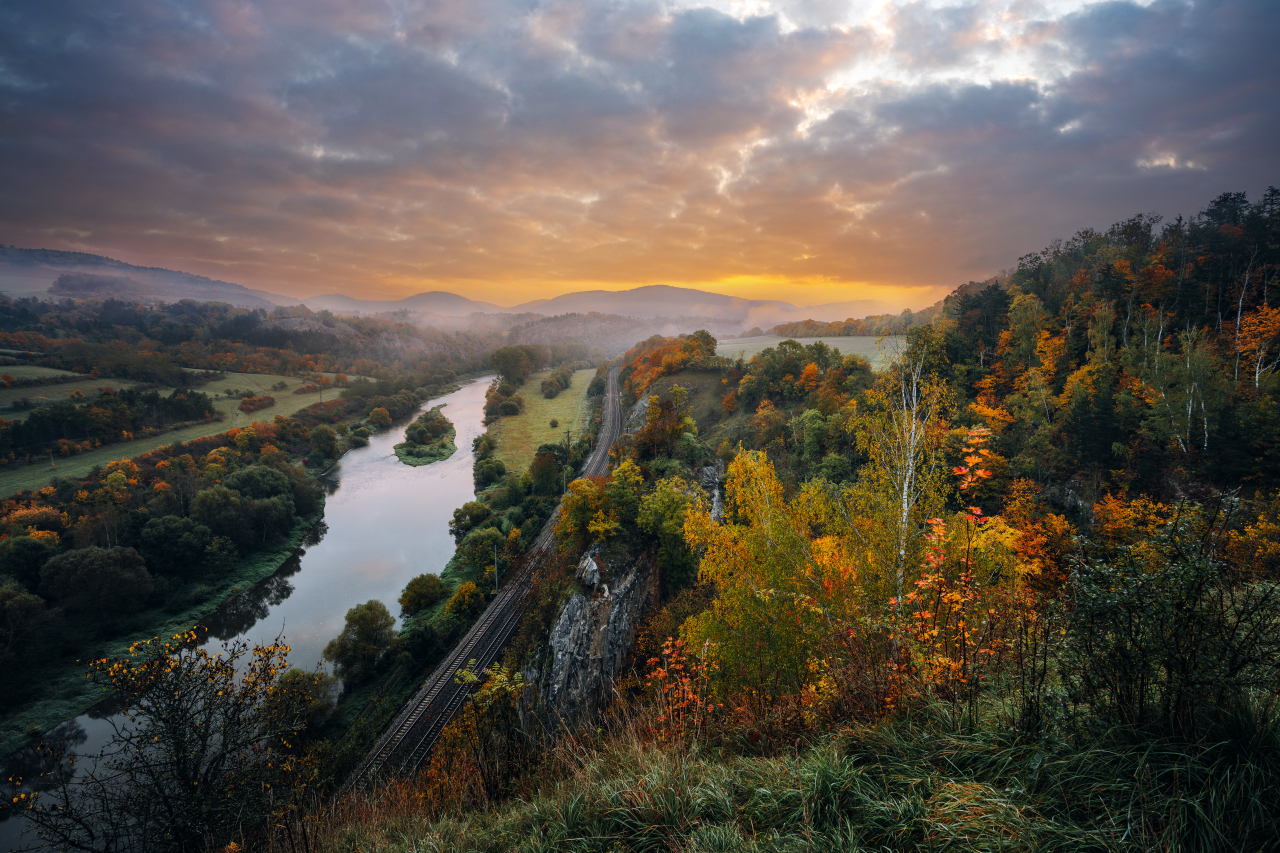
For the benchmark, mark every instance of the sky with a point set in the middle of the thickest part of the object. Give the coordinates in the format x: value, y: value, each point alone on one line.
x: 805, y: 150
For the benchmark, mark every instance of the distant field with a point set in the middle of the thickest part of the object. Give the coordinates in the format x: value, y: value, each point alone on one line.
x: 868, y: 347
x: 38, y: 475
x: 34, y: 371
x: 520, y: 435
x: 40, y: 395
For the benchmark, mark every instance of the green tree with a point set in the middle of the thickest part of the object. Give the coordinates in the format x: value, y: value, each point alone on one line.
x: 466, y: 517
x: 220, y: 556
x: 477, y: 549
x: 324, y: 441
x: 175, y: 545
x: 101, y: 580
x: 622, y: 493
x: 21, y: 613
x: 420, y: 593
x: 662, y: 515
x: 515, y: 363
x: 259, y: 482
x: 223, y: 512
x: 22, y: 556
x: 366, y: 637
x: 466, y: 603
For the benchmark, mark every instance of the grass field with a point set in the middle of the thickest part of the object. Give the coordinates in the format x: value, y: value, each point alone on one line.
x: 34, y: 371
x: 38, y: 475
x: 868, y: 347
x: 41, y: 395
x: 519, y: 435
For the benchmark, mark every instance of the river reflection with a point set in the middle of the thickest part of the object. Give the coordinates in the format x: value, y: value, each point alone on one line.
x: 241, y: 613
x: 384, y: 523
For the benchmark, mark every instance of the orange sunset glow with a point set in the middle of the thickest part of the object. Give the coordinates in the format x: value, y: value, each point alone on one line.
x: 810, y: 152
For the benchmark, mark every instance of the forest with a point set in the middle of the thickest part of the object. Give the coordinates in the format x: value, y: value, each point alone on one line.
x: 1019, y: 590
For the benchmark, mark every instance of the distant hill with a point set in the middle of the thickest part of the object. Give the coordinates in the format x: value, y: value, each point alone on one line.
x: 658, y: 300
x: 432, y: 302
x: 26, y: 272
x: 40, y: 272
x: 613, y: 334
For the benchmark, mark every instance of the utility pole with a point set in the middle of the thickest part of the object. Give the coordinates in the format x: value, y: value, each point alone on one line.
x: 495, y: 568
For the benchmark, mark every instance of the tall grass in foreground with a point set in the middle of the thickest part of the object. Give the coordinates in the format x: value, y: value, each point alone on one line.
x: 912, y: 782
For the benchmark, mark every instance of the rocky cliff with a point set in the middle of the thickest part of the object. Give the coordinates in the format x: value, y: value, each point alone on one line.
x: 591, y: 639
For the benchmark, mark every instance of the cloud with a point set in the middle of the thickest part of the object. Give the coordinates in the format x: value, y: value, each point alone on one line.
x: 517, y: 149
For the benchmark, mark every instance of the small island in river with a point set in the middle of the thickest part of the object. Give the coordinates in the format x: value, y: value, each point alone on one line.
x: 428, y: 439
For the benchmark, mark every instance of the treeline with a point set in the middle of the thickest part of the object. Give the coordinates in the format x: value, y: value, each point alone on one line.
x: 874, y: 325
x: 87, y: 559
x: 66, y: 428
x: 150, y: 343
x: 558, y: 381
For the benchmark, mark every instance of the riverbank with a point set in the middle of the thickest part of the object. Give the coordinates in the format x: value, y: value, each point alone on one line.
x: 66, y: 693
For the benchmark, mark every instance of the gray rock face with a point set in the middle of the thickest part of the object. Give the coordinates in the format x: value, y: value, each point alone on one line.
x: 638, y: 415
x: 711, y: 477
x: 593, y: 635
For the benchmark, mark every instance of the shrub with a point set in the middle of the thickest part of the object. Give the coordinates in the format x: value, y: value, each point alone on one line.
x: 466, y: 603
x: 253, y: 404
x: 420, y: 593
x: 554, y: 423
x: 1162, y: 638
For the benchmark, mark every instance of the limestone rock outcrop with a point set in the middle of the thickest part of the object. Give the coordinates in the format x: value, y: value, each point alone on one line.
x: 589, y: 643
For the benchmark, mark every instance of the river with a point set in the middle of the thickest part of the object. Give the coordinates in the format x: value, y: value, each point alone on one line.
x: 384, y: 523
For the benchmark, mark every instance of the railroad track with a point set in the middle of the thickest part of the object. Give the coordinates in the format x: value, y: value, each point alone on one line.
x: 405, y: 743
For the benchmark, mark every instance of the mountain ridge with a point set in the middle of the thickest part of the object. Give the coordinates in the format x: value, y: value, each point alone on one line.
x: 31, y: 272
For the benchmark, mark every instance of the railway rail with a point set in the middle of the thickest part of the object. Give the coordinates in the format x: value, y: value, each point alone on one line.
x: 405, y: 743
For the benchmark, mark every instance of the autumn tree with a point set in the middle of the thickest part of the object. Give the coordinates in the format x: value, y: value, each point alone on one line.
x: 903, y: 483
x: 775, y: 584
x: 201, y: 738
x: 467, y: 602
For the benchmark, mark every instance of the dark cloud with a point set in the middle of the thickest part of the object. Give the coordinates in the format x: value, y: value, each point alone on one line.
x: 509, y: 146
